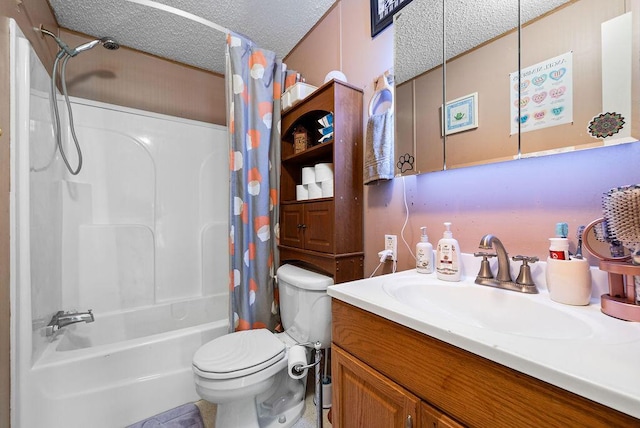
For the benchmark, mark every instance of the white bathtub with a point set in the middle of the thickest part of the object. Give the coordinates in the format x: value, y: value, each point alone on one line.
x: 124, y: 367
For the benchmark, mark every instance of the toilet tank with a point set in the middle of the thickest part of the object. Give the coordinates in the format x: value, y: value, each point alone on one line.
x: 305, y: 306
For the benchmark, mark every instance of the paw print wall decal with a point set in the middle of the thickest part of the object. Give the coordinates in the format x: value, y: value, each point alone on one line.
x: 405, y: 163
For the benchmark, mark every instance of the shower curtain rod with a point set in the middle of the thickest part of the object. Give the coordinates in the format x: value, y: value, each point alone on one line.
x: 180, y: 12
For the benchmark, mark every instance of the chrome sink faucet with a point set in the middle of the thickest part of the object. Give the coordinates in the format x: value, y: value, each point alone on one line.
x: 503, y: 278
x: 63, y: 319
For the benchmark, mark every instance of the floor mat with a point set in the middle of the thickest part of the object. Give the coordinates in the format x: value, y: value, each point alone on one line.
x: 185, y: 416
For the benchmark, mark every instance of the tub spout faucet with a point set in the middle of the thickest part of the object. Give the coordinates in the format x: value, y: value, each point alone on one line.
x: 63, y: 319
x: 503, y: 277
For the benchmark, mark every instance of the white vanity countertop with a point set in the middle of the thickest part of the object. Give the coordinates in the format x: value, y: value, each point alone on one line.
x: 598, y: 359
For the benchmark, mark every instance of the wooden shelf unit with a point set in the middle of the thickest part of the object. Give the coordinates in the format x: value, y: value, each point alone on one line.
x: 324, y: 234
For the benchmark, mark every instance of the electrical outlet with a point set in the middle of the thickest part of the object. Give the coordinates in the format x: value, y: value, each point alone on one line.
x: 391, y: 243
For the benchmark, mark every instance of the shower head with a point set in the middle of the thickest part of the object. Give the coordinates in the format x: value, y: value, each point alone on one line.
x: 107, y: 42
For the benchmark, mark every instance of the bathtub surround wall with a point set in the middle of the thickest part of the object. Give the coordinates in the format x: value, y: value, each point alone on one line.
x: 139, y: 235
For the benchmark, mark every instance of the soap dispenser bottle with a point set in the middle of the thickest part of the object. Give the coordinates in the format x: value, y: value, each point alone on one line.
x: 424, y: 253
x: 448, y: 256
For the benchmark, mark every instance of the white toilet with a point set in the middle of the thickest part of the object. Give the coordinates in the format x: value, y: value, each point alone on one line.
x: 245, y: 372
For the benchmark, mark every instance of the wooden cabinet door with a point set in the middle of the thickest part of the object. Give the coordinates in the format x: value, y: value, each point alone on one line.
x: 308, y: 226
x: 292, y: 225
x: 363, y: 398
x: 318, y: 233
x: 433, y: 418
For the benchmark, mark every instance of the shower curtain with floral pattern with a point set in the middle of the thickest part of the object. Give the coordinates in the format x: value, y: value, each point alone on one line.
x: 253, y: 80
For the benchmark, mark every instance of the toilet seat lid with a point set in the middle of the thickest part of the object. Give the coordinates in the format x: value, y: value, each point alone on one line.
x: 238, y: 354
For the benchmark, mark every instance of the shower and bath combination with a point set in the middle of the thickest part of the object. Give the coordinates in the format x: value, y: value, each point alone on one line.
x: 63, y: 55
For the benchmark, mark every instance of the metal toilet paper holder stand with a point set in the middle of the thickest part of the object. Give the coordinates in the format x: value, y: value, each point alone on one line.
x: 318, y: 393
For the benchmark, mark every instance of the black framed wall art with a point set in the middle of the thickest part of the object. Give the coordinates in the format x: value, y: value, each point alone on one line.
x: 382, y: 12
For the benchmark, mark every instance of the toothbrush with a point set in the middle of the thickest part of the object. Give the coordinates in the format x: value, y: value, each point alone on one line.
x: 579, y: 233
x: 562, y: 230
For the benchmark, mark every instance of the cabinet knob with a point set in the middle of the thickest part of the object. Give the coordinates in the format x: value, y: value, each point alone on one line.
x: 409, y: 423
x: 302, y: 226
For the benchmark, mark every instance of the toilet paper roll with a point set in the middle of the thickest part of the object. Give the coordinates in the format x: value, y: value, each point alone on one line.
x: 297, y: 357
x: 302, y: 193
x: 324, y: 172
x: 308, y: 175
x: 315, y: 190
x: 327, y: 189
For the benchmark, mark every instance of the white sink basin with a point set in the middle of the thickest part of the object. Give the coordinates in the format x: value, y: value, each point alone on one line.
x: 484, y: 307
x: 577, y: 348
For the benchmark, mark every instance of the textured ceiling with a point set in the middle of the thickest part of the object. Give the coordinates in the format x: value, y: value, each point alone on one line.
x: 418, y: 29
x: 160, y: 27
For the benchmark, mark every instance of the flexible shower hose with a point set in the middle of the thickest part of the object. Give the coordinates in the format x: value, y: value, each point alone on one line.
x: 56, y: 115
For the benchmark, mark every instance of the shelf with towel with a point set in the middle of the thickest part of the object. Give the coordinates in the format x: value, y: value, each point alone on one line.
x: 316, y: 230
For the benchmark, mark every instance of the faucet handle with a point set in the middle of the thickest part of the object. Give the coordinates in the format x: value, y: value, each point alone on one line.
x: 484, y: 255
x: 525, y: 259
x: 485, y: 269
x: 524, y: 278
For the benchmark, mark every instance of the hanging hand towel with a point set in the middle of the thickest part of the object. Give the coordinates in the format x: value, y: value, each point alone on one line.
x: 378, y: 160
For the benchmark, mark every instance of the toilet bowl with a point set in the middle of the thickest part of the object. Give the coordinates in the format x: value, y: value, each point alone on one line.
x: 245, y: 372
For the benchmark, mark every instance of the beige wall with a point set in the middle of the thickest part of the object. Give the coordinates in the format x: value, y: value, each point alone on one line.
x: 342, y: 41
x: 518, y: 201
x: 135, y: 79
x: 346, y: 29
